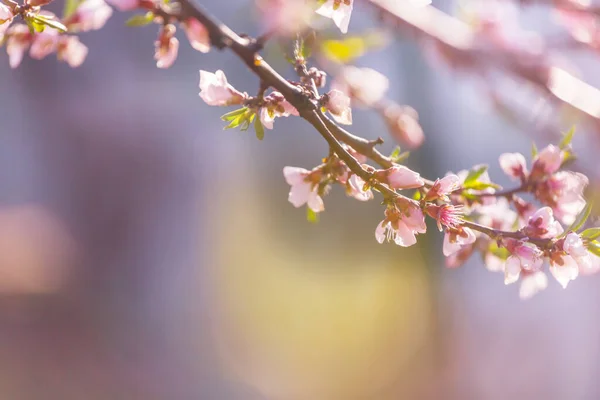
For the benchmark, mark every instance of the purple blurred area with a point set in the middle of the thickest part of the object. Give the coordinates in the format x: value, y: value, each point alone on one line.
x: 145, y: 253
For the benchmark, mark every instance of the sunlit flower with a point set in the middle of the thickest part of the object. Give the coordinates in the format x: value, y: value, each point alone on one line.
x: 514, y: 165
x: 275, y: 106
x: 401, y: 227
x: 304, y: 190
x: 6, y: 14
x: 339, y: 11
x: 44, y: 43
x: 543, y: 225
x: 356, y: 189
x: 532, y: 283
x: 365, y: 85
x: 90, y: 15
x: 197, y: 34
x: 548, y: 161
x: 19, y: 40
x: 456, y: 239
x: 166, y: 47
x: 215, y: 90
x: 400, y: 177
x: 443, y: 187
x: 403, y: 125
x: 524, y: 256
x: 72, y: 51
x: 338, y: 105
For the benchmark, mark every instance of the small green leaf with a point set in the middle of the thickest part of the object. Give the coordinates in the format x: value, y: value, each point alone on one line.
x: 534, y: 150
x: 233, y: 114
x: 594, y: 247
x: 567, y: 139
x: 235, y: 122
x: 312, y: 216
x: 140, y: 20
x: 478, y: 185
x: 396, y: 153
x: 47, y: 21
x: 70, y: 7
x: 344, y: 51
x: 259, y: 129
x: 417, y: 195
x: 591, y: 233
x: 580, y: 219
x: 474, y: 175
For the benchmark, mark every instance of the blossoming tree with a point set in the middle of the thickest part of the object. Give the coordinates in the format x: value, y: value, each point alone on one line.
x: 540, y: 224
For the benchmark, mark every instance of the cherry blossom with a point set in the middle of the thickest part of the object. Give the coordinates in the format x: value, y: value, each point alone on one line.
x: 400, y: 177
x: 19, y: 40
x: 563, y: 191
x: 72, y: 51
x: 514, y: 165
x: 6, y: 15
x: 338, y: 105
x: 523, y: 256
x: 339, y: 11
x: 574, y: 247
x: 548, y: 161
x: 532, y: 283
x: 443, y: 187
x: 543, y: 225
x: 166, y: 47
x: 44, y: 43
x: 365, y: 85
x: 216, y: 91
x: 403, y: 124
x: 90, y: 15
x: 564, y: 269
x: 275, y: 106
x: 356, y: 189
x: 303, y: 188
x: 197, y: 35
x: 401, y: 227
x: 456, y: 239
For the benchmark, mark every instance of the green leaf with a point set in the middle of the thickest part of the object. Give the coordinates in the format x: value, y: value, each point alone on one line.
x: 478, y: 185
x: 417, y: 195
x: 594, y: 247
x: 140, y: 20
x: 534, y: 150
x: 395, y: 153
x: 312, y: 216
x: 580, y: 219
x: 70, y: 7
x: 233, y: 114
x: 259, y: 129
x: 47, y: 21
x: 235, y: 122
x: 591, y: 233
x: 345, y: 50
x: 567, y: 139
x: 474, y: 175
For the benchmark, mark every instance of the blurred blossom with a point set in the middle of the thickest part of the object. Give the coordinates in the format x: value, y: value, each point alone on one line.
x: 36, y: 251
x: 286, y: 17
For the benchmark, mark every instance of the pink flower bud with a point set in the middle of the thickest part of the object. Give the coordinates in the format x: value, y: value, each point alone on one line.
x: 400, y: 177
x: 72, y: 51
x: 549, y: 160
x: 338, y: 105
x: 166, y: 47
x: 303, y: 190
x: 356, y: 189
x: 197, y: 35
x: 44, y: 43
x: 403, y: 125
x: 124, y: 5
x: 543, y: 225
x: 215, y: 90
x: 90, y: 15
x: 339, y: 11
x: 443, y: 187
x: 514, y: 165
x: 19, y: 39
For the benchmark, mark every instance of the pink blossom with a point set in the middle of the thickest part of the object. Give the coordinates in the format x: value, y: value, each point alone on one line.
x: 44, y: 43
x: 493, y: 263
x: 564, y: 269
x: 275, y: 106
x: 543, y: 225
x: 303, y: 190
x: 403, y: 124
x: 356, y: 189
x: 124, y: 5
x: 563, y: 191
x: 287, y: 17
x: 365, y: 85
x: 338, y: 105
x: 215, y: 90
x: 457, y: 259
x: 72, y: 51
x: 549, y: 160
x: 339, y: 11
x: 532, y: 283
x: 574, y: 247
x: 443, y: 187
x: 524, y: 256
x: 455, y: 239
x: 514, y: 165
x: 498, y: 215
x: 197, y: 35
x: 19, y: 39
x: 90, y: 15
x: 485, y: 178
x: 401, y: 227
x: 6, y: 14
x: 166, y: 48
x: 447, y: 215
x: 400, y: 177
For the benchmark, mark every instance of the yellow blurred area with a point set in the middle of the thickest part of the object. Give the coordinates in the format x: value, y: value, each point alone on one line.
x: 335, y: 324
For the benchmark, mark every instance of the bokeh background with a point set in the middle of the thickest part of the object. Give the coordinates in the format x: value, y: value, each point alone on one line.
x: 145, y: 253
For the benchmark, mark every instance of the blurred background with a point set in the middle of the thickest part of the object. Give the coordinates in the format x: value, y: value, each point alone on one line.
x: 145, y: 253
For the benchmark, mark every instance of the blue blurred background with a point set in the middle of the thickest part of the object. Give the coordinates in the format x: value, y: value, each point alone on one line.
x: 145, y: 253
